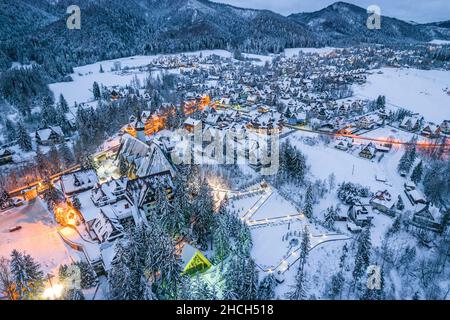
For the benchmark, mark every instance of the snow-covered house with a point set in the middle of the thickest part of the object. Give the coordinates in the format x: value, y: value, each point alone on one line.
x: 445, y: 127
x: 360, y: 215
x: 143, y: 190
x: 415, y: 196
x: 343, y: 143
x: 266, y: 123
x: 6, y: 156
x: 368, y: 151
x: 427, y: 218
x: 106, y: 227
x: 109, y: 192
x: 79, y: 181
x: 49, y: 136
x: 141, y: 159
x: 411, y: 123
x: 384, y: 202
x: 369, y: 121
x: 190, y: 124
x: 431, y: 130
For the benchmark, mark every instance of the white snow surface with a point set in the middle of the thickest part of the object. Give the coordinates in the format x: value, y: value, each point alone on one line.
x: 38, y: 236
x: 420, y: 91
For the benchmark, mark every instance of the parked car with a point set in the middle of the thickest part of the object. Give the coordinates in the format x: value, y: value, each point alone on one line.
x: 18, y: 202
x: 16, y: 228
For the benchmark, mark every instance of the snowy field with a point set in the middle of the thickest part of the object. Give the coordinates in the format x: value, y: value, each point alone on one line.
x: 275, y: 206
x: 38, y: 236
x: 390, y: 132
x: 421, y: 91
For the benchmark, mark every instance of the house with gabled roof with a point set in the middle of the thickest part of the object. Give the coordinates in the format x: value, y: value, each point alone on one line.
x: 48, y: 136
x: 368, y: 151
x: 384, y: 202
x: 6, y: 156
x: 431, y: 130
x: 79, y: 181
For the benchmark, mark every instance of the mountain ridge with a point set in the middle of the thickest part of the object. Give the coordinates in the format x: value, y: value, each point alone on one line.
x: 113, y: 28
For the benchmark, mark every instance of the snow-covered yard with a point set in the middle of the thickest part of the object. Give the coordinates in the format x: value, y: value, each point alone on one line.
x: 37, y: 237
x: 421, y: 91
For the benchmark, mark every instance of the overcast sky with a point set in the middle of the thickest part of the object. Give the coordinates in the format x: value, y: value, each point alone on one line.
x: 410, y: 10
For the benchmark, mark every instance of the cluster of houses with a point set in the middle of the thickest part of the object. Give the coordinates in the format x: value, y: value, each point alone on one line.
x: 417, y: 124
x: 423, y: 214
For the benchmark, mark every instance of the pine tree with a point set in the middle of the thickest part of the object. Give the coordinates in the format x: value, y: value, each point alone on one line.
x: 362, y: 257
x: 23, y: 138
x: 73, y: 294
x: 221, y: 234
x: 183, y: 198
x: 88, y: 276
x: 41, y: 162
x: 126, y: 278
x: 330, y: 218
x: 63, y: 104
x: 96, y: 90
x: 375, y: 293
x: 76, y: 202
x: 54, y: 159
x: 266, y: 289
x: 119, y: 278
x: 202, y: 215
x: 244, y: 241
x: 170, y: 272
x: 337, y: 283
x: 51, y: 195
x: 400, y: 205
x: 241, y: 279
x: 11, y: 134
x: 338, y: 280
x: 66, y: 153
x: 48, y: 111
x: 435, y: 181
x: 61, y: 120
x: 28, y: 278
x: 200, y: 289
x: 163, y: 207
x: 5, y: 199
x: 101, y: 69
x: 403, y: 163
x: 408, y: 158
x: 416, y: 175
x: 299, y: 290
x: 308, y: 209
x: 174, y: 223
